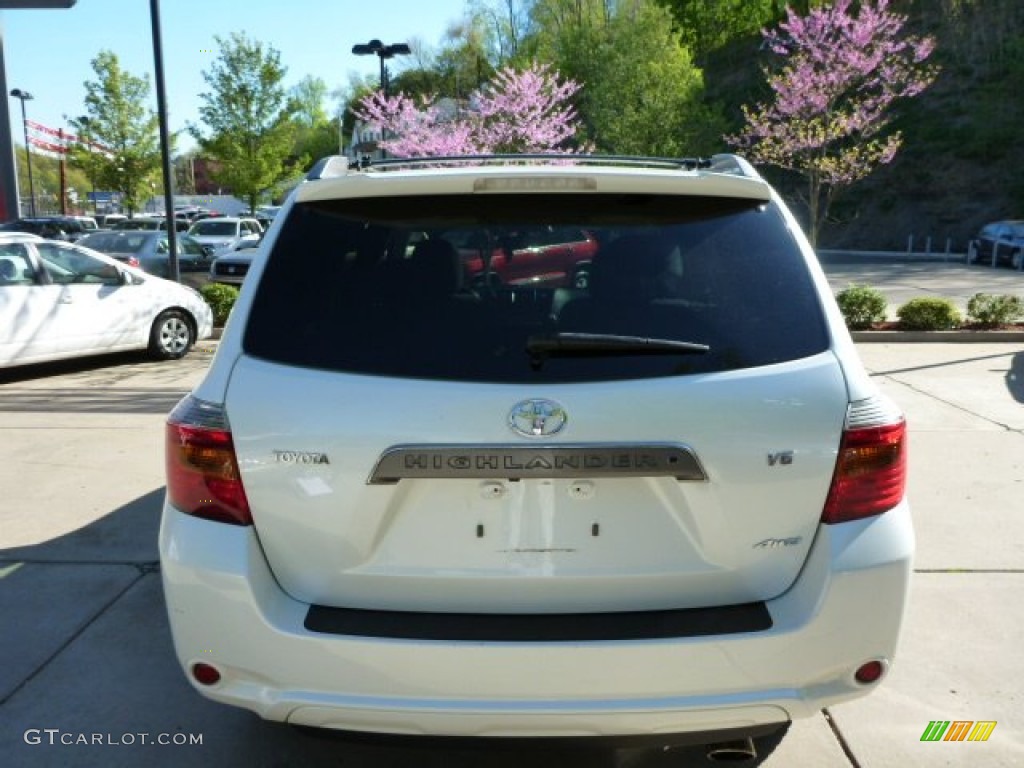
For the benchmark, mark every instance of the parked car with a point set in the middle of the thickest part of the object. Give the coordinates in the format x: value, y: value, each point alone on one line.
x: 108, y: 220
x: 538, y: 255
x: 149, y: 250
x: 190, y: 211
x: 265, y: 215
x: 88, y: 223
x: 669, y: 504
x: 1004, y: 238
x: 59, y: 300
x: 225, y: 232
x: 152, y: 222
x: 66, y: 228
x: 232, y: 266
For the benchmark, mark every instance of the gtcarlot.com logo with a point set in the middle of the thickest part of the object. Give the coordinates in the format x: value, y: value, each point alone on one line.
x: 57, y: 737
x: 958, y: 730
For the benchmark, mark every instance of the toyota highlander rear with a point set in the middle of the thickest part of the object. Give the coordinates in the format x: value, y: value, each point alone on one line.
x: 657, y: 495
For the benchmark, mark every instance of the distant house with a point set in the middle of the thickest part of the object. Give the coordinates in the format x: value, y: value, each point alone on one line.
x: 365, y: 141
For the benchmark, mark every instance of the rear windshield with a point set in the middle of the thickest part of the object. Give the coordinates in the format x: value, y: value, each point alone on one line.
x: 207, y: 228
x: 114, y: 242
x: 535, y: 288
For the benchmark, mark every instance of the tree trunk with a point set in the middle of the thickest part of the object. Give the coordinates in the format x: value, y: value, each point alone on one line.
x: 813, y: 195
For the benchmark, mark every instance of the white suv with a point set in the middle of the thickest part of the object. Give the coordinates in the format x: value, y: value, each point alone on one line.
x: 664, y: 501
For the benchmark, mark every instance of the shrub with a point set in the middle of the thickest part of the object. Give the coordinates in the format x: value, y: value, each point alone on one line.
x: 221, y: 299
x: 929, y: 314
x: 862, y: 306
x: 992, y: 311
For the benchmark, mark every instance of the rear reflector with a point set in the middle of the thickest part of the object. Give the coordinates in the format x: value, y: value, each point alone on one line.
x: 202, y: 471
x: 871, y: 469
x: 204, y: 674
x: 868, y: 673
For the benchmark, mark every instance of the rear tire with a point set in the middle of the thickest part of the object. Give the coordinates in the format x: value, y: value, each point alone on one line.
x: 172, y: 335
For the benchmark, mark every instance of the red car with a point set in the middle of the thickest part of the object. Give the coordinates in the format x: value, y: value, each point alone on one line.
x: 550, y: 256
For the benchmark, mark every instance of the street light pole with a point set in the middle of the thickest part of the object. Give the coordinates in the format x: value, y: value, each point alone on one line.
x: 165, y: 140
x: 341, y: 128
x: 381, y: 51
x: 24, y: 96
x: 85, y: 130
x: 377, y: 48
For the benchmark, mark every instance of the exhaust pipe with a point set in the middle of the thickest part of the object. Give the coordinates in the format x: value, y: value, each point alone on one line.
x: 738, y: 751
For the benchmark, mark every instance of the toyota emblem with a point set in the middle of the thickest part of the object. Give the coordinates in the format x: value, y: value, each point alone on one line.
x: 537, y: 418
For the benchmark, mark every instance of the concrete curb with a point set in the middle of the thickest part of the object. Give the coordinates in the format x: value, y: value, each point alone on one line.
x: 937, y: 337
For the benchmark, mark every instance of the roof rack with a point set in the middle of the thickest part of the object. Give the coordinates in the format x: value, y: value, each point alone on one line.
x: 328, y: 167
x: 673, y: 163
x: 732, y: 164
x: 338, y: 165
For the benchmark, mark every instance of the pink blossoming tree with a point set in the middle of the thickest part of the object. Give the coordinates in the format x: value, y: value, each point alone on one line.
x: 840, y: 74
x: 517, y: 112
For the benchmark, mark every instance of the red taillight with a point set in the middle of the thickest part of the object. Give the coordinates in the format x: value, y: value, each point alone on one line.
x: 132, y: 261
x: 202, y: 472
x: 871, y: 473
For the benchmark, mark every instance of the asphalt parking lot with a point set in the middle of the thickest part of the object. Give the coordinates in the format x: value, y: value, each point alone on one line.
x: 87, y: 656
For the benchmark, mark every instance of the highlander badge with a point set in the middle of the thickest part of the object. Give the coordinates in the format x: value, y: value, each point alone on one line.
x: 537, y: 418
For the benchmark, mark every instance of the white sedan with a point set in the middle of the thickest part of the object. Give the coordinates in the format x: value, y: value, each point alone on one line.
x: 59, y: 300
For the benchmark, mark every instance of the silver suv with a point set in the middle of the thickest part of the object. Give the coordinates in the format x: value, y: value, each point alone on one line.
x: 224, y: 233
x: 665, y: 502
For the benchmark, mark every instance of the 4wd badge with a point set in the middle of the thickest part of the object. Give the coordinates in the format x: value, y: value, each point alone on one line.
x: 537, y: 418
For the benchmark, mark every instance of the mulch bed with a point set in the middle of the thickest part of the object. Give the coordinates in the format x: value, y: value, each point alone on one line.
x: 895, y: 325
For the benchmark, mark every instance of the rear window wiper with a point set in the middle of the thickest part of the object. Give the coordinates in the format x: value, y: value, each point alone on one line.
x: 539, y: 348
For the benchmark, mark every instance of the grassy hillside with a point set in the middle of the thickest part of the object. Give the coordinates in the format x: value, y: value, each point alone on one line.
x: 962, y: 163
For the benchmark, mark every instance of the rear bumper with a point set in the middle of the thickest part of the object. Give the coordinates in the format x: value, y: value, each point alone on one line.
x: 226, y: 610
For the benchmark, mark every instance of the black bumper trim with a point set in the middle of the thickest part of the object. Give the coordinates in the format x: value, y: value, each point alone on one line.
x: 550, y: 745
x: 540, y: 628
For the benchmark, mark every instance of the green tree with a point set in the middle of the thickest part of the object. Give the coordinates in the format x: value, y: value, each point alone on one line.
x: 464, y: 63
x: 308, y: 96
x: 317, y: 134
x: 249, y: 118
x: 641, y: 93
x: 46, y: 180
x: 119, y: 119
x: 88, y: 156
x: 506, y: 23
x: 348, y: 95
x: 184, y: 170
x: 707, y: 25
x: 641, y: 55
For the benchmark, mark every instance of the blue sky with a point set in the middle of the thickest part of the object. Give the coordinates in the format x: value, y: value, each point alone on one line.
x: 48, y: 52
